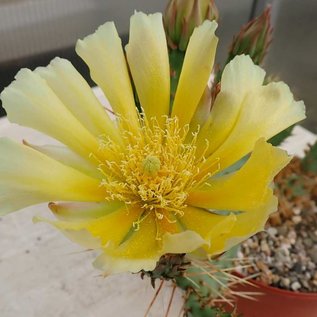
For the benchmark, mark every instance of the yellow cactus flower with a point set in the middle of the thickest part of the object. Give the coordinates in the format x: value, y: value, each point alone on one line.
x: 143, y: 184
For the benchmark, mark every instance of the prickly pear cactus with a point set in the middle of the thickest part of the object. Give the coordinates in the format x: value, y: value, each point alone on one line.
x: 203, y: 282
x: 169, y: 267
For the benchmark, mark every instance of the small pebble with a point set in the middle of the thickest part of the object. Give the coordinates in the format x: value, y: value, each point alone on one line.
x: 286, y: 282
x: 297, y: 268
x: 308, y: 242
x: 272, y: 231
x: 296, y: 211
x: 282, y: 230
x: 307, y: 276
x: 295, y: 286
x: 264, y: 247
x: 313, y: 253
x: 297, y: 219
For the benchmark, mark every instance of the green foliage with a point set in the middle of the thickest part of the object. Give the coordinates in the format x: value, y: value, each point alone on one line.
x: 296, y: 184
x: 176, y: 63
x: 309, y: 163
x: 280, y: 137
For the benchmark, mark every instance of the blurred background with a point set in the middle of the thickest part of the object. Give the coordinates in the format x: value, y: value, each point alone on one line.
x: 32, y: 32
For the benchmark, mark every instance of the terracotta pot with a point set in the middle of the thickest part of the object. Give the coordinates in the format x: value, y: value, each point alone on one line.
x: 276, y: 302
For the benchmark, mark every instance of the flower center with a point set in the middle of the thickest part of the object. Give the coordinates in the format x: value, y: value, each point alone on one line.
x: 155, y: 171
x: 151, y: 165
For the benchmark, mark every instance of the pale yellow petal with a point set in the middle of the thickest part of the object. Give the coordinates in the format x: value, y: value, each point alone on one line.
x: 67, y: 157
x: 202, y: 112
x: 29, y: 177
x: 110, y: 264
x: 29, y: 101
x: 114, y: 227
x: 245, y: 189
x: 196, y: 70
x: 143, y: 249
x: 103, y: 53
x: 143, y: 242
x: 265, y: 112
x: 242, y: 190
x: 239, y: 77
x: 247, y: 224
x: 208, y: 225
x: 183, y: 242
x: 81, y: 211
x: 248, y: 191
x: 107, y: 223
x: 74, y: 92
x: 140, y: 251
x: 83, y: 238
x: 148, y: 61
x: 79, y: 214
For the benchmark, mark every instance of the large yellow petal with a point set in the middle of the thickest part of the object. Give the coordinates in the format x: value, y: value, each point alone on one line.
x: 75, y: 220
x: 114, y: 227
x: 107, y: 221
x: 83, y: 211
x: 182, y: 242
x: 265, y: 112
x: 103, y: 53
x: 67, y: 157
x: 111, y: 264
x: 247, y: 224
x: 202, y: 112
x: 239, y: 77
x: 74, y: 92
x: 245, y: 189
x: 148, y: 61
x: 176, y: 243
x: 198, y: 63
x: 29, y: 177
x: 248, y: 191
x: 144, y: 248
x: 29, y: 101
x: 210, y: 226
x: 139, y: 252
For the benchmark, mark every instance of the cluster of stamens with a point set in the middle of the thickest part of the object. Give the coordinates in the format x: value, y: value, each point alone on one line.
x: 154, y: 170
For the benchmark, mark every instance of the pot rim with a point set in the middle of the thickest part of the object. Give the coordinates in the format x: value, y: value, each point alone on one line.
x: 279, y: 291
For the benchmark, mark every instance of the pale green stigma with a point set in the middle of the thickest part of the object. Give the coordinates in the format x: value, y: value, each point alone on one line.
x: 151, y: 165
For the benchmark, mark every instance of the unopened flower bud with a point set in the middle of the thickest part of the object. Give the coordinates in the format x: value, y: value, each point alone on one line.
x: 254, y: 38
x: 182, y: 16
